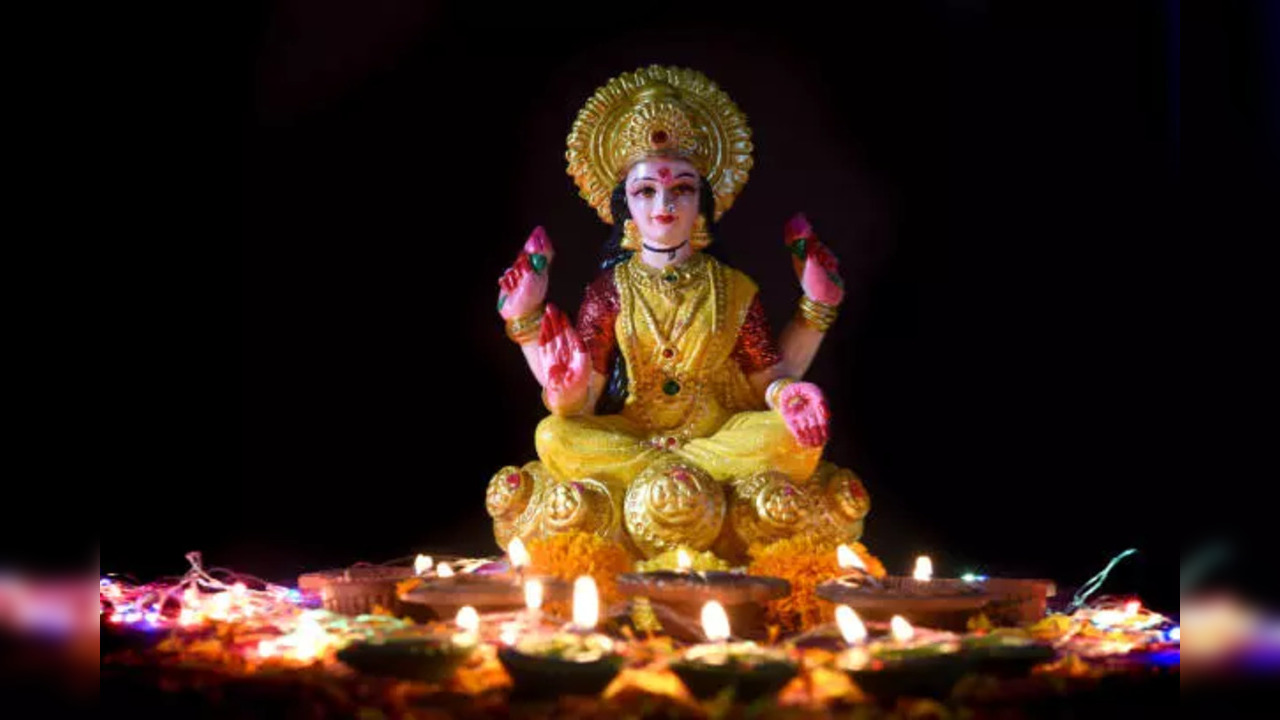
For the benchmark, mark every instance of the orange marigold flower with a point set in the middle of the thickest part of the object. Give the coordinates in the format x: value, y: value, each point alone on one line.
x: 805, y: 564
x: 569, y: 555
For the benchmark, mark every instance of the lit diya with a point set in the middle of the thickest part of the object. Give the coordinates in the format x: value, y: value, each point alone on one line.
x: 753, y: 671
x: 428, y: 659
x: 573, y: 661
x: 936, y: 602
x: 906, y: 661
x: 493, y: 588
x: 685, y: 592
x: 357, y: 590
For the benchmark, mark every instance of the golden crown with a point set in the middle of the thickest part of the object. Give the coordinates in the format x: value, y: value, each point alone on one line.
x: 659, y: 112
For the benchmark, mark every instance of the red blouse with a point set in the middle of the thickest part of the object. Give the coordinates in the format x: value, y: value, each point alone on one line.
x: 754, y: 351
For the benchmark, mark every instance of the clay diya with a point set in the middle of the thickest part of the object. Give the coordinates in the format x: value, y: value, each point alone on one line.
x: 432, y: 658
x: 497, y: 587
x: 573, y: 661
x: 685, y: 592
x: 903, y: 662
x: 358, y: 589
x: 1005, y: 653
x: 752, y: 671
x: 934, y: 602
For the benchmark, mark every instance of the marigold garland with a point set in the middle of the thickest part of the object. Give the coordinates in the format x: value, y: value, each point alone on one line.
x: 569, y: 555
x: 805, y: 564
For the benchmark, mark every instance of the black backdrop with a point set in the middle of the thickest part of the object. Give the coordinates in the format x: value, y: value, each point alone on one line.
x: 990, y: 175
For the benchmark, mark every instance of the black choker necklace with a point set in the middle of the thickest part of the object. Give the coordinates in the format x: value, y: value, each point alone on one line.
x: 671, y: 252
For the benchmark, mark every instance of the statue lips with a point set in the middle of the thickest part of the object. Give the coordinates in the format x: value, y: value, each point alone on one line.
x: 665, y: 219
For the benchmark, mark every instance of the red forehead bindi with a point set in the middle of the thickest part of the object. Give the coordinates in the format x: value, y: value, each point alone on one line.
x: 665, y: 174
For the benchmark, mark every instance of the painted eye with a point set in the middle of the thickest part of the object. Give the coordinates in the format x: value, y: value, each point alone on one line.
x: 647, y: 192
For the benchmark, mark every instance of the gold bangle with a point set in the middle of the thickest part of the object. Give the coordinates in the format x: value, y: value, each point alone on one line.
x: 775, y: 389
x: 816, y: 315
x: 525, y: 328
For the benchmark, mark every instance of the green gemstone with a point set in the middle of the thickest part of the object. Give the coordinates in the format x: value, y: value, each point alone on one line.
x: 798, y: 248
x: 671, y: 387
x: 671, y: 277
x: 502, y: 300
x: 538, y: 261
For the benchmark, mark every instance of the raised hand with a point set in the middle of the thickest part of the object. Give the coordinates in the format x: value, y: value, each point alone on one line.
x: 523, y: 287
x: 804, y: 409
x: 815, y: 265
x: 564, y: 361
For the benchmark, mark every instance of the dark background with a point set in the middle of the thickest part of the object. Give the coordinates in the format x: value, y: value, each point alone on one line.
x: 1002, y: 183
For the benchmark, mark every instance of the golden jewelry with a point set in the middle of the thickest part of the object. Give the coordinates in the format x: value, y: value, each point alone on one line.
x: 631, y: 238
x: 816, y: 315
x: 775, y: 389
x: 700, y: 237
x: 659, y: 111
x: 525, y: 328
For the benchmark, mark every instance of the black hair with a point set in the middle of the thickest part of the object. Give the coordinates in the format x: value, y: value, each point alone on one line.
x: 612, y: 254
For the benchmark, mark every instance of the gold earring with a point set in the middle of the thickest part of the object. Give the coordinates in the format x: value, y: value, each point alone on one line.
x: 630, y: 235
x: 700, y: 237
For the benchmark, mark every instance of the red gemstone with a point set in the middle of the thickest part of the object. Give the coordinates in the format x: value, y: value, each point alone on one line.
x: 668, y: 353
x: 788, y: 491
x: 513, y: 480
x: 659, y: 137
x: 856, y: 489
x: 671, y: 443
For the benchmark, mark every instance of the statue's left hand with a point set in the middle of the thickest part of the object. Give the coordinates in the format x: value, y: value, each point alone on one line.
x: 804, y: 409
x: 815, y: 265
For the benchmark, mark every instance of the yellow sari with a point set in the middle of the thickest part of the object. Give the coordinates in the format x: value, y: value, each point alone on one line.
x: 676, y: 329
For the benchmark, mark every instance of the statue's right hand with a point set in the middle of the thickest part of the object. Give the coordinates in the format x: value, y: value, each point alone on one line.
x: 523, y: 287
x: 565, y: 363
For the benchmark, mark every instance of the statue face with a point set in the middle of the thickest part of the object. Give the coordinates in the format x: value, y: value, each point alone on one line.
x: 663, y: 197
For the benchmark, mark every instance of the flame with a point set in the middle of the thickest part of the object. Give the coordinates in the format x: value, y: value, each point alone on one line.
x: 924, y: 569
x: 510, y: 634
x: 519, y: 555
x: 851, y: 626
x: 422, y: 564
x: 468, y: 619
x: 902, y: 630
x: 847, y: 559
x: 683, y: 561
x: 1131, y: 608
x: 533, y: 594
x: 586, y: 603
x: 443, y: 570
x: 715, y: 623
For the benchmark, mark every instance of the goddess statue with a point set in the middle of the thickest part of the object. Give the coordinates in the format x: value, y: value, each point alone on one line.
x: 676, y: 419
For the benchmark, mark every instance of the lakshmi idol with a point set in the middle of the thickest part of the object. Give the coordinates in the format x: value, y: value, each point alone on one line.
x: 676, y: 418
